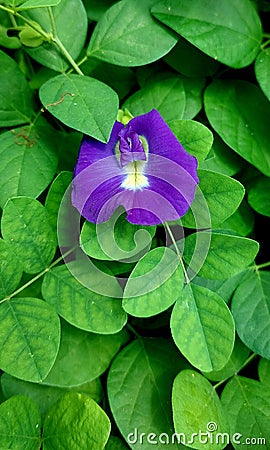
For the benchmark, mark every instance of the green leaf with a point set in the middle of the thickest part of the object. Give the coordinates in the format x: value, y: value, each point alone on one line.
x: 116, y: 239
x: 19, y: 424
x: 202, y: 328
x: 30, y: 4
x: 141, y: 403
x: 222, y: 195
x: 114, y: 443
x: 127, y: 35
x: 25, y: 227
x: 250, y: 308
x: 96, y: 8
x: 80, y: 306
x: 196, y: 410
x: 83, y: 356
x: 190, y: 61
x: 55, y: 195
x: 45, y: 396
x: 71, y: 30
x: 30, y: 37
x: 258, y: 195
x: 18, y: 108
x: 196, y: 138
x: 246, y: 404
x: 234, y: 365
x: 222, y: 159
x: 227, y: 31
x: 121, y: 79
x: 241, y: 222
x: 151, y: 287
x: 82, y: 103
x: 262, y: 71
x: 229, y: 105
x: 6, y: 40
x: 218, y: 256
x: 30, y: 336
x: 10, y: 270
x: 264, y: 371
x: 175, y: 97
x: 87, y: 424
x: 224, y: 288
x: 28, y: 161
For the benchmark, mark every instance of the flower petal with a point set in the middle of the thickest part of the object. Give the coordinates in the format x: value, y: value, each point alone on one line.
x: 162, y: 141
x: 93, y: 150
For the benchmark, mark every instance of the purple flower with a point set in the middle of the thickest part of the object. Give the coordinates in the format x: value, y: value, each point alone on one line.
x: 143, y: 167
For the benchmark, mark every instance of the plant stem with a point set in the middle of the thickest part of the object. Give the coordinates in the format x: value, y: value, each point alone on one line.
x: 31, y: 24
x: 132, y: 330
x: 59, y: 43
x: 261, y: 266
x: 63, y: 50
x: 54, y: 263
x: 177, y: 251
x: 248, y: 360
x: 265, y: 44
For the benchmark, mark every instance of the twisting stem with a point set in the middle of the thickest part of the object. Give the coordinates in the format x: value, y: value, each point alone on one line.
x: 177, y: 251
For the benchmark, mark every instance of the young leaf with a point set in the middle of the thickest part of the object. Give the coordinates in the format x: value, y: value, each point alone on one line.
x: 175, y: 97
x: 141, y: 406
x: 10, y: 270
x: 87, y: 424
x: 28, y: 160
x: 196, y: 138
x: 127, y: 35
x: 250, y: 308
x: 83, y: 356
x: 26, y: 228
x: 202, y: 328
x: 227, y: 31
x: 222, y: 194
x: 80, y: 306
x: 258, y: 195
x: 229, y: 105
x: 218, y: 256
x: 262, y: 70
x: 30, y: 336
x: 82, y: 103
x: 19, y: 424
x: 71, y: 30
x: 18, y: 108
x: 154, y: 284
x: 246, y: 404
x: 197, y: 412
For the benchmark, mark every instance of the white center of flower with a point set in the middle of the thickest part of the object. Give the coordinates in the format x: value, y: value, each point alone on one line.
x: 135, y: 179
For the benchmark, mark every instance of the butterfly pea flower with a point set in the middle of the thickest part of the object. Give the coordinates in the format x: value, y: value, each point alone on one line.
x: 143, y: 167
